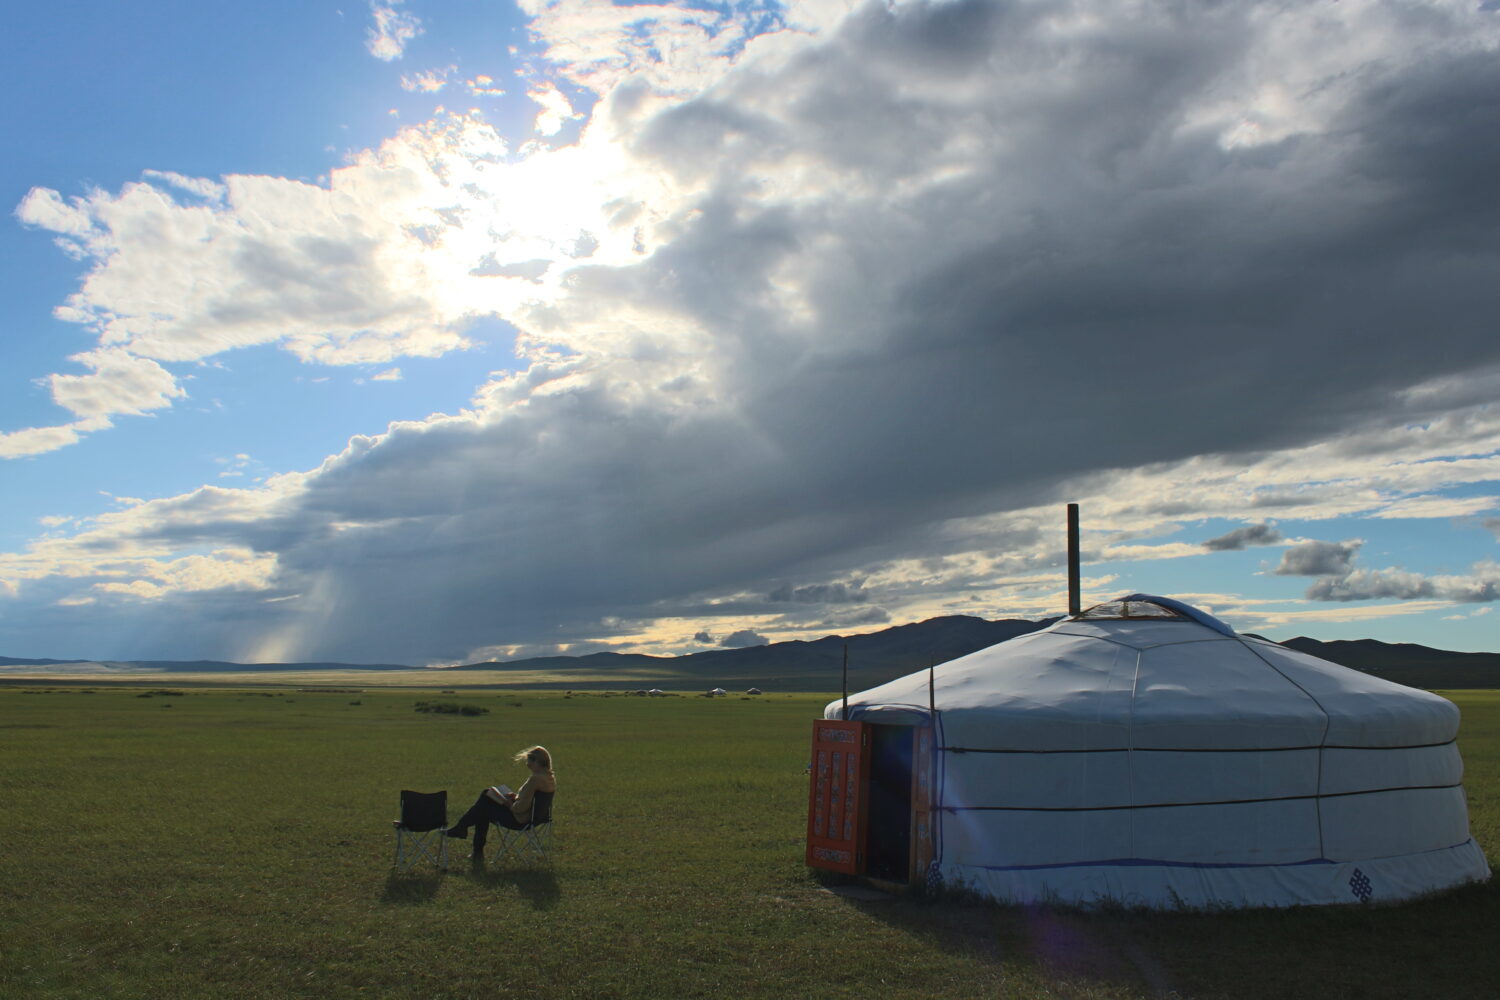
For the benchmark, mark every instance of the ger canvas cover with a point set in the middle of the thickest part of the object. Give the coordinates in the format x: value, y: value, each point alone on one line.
x: 1145, y: 753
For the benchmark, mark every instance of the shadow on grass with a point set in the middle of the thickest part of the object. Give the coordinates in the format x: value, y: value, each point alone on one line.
x: 1429, y: 948
x: 538, y: 886
x: 411, y: 888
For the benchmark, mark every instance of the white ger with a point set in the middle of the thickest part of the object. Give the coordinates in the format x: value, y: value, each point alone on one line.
x: 1145, y: 753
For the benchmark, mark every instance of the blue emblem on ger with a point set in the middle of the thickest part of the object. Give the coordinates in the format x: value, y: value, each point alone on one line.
x: 1359, y: 884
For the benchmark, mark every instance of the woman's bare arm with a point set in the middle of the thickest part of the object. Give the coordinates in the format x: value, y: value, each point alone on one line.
x: 520, y: 806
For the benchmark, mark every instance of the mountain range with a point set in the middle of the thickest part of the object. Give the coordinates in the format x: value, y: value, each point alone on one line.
x: 816, y: 665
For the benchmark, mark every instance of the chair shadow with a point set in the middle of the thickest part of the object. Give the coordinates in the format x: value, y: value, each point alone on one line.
x: 412, y: 887
x: 538, y: 886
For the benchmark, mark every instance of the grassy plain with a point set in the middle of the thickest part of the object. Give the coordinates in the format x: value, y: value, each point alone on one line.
x: 236, y: 843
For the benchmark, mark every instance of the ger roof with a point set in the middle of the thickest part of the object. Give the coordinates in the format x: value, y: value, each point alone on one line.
x: 1152, y: 672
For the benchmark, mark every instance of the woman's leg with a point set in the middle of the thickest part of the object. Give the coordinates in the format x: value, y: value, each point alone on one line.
x: 477, y: 815
x: 490, y: 812
x: 500, y: 816
x: 507, y: 819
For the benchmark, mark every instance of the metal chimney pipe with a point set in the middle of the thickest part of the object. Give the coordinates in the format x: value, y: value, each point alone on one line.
x: 1073, y: 586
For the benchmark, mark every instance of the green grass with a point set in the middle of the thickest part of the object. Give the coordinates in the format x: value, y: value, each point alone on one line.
x: 239, y: 845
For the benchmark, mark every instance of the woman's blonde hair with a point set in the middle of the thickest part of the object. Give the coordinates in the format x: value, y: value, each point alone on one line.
x: 535, y: 755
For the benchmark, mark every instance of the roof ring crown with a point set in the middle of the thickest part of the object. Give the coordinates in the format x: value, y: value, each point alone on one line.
x: 1126, y: 608
x: 1152, y: 608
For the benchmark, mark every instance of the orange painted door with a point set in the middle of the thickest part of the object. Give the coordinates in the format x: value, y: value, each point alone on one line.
x: 836, y: 805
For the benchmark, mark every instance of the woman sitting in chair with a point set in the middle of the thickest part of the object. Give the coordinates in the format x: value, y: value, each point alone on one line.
x: 507, y: 809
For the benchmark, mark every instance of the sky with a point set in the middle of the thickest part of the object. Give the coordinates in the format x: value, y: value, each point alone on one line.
x: 445, y: 330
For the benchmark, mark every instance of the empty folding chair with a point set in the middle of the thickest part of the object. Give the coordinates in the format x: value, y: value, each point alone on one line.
x: 421, y: 832
x: 532, y: 842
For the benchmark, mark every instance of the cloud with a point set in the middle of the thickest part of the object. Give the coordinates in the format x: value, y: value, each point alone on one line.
x: 351, y: 273
x: 668, y: 48
x: 864, y: 302
x: 389, y: 375
x: 701, y: 636
x: 387, y: 38
x: 743, y: 637
x: 1241, y: 538
x: 1438, y: 506
x: 1249, y: 620
x: 819, y: 593
x: 427, y: 81
x: 484, y: 86
x: 1316, y: 558
x: 235, y: 467
x: 119, y: 383
x: 199, y: 186
x: 851, y: 619
x: 1170, y: 550
x: 278, y: 261
x: 531, y: 270
x: 556, y: 111
x: 39, y: 440
x: 1479, y: 586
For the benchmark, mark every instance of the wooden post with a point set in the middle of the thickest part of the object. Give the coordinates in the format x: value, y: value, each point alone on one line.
x: 925, y: 796
x: 845, y: 714
x: 1074, y: 598
x: 921, y: 806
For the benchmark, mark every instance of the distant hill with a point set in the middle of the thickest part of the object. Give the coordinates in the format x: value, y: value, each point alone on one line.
x: 11, y: 661
x: 816, y: 665
x: 186, y: 666
x: 1406, y: 662
x: 874, y: 657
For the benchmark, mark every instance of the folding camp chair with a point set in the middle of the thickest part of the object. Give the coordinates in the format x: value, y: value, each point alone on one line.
x: 424, y: 816
x: 533, y: 842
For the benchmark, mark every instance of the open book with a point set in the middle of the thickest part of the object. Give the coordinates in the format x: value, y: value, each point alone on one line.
x: 504, y: 791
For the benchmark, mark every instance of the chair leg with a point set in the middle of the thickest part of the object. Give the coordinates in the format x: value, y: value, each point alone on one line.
x: 539, y: 842
x: 413, y: 847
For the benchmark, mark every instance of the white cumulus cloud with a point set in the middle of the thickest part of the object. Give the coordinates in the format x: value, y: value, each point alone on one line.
x: 393, y: 29
x: 428, y: 81
x: 555, y: 109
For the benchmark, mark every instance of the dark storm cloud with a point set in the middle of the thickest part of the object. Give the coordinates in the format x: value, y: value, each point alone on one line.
x: 941, y: 263
x: 1318, y: 559
x: 819, y: 593
x: 1240, y: 538
x: 743, y: 637
x: 849, y: 621
x: 1123, y: 288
